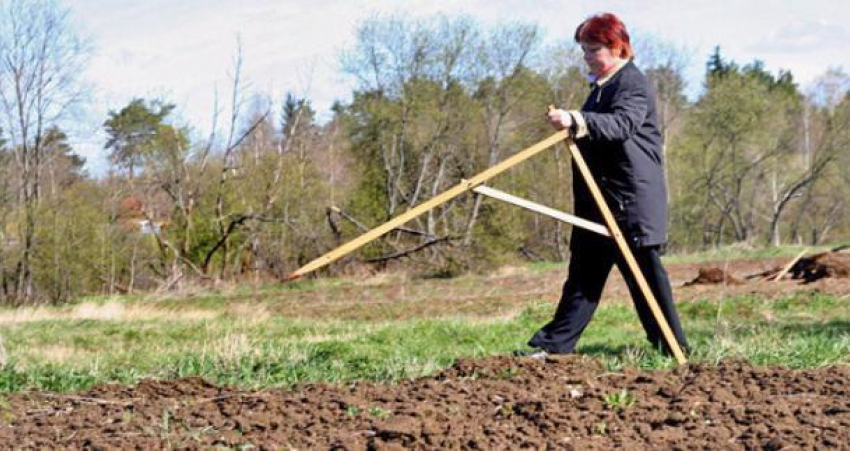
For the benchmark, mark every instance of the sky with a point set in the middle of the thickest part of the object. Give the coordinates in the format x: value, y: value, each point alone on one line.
x: 183, y: 51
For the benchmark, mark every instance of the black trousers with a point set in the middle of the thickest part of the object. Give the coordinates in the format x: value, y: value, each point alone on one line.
x: 590, y: 264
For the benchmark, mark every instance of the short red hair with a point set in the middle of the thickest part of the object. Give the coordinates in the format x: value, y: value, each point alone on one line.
x: 608, y: 30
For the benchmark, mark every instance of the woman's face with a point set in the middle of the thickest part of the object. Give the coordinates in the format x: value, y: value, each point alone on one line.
x: 599, y: 59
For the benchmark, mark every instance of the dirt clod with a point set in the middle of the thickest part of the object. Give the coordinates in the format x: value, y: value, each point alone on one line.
x: 826, y: 264
x: 710, y: 276
x: 832, y: 265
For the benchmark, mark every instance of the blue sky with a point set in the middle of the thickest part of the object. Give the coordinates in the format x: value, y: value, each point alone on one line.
x: 182, y: 51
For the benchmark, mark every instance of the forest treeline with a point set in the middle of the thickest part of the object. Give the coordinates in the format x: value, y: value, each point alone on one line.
x: 752, y: 159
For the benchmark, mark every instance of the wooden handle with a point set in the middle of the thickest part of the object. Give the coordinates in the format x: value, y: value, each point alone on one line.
x: 631, y: 263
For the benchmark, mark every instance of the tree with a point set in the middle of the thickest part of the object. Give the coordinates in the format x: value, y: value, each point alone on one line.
x: 409, y: 118
x: 739, y: 153
x: 140, y: 140
x: 230, y: 216
x: 504, y: 61
x: 665, y: 66
x: 132, y: 131
x: 830, y: 89
x: 39, y: 86
x: 825, y: 139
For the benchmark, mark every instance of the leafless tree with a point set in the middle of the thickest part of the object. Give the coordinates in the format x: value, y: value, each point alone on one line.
x: 503, y: 56
x: 41, y: 58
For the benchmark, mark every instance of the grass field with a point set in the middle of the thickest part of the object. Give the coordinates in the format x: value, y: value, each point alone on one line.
x: 342, y: 330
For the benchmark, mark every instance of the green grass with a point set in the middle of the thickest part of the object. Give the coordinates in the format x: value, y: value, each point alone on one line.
x: 203, y: 335
x: 803, y: 330
x: 280, y: 352
x: 620, y: 400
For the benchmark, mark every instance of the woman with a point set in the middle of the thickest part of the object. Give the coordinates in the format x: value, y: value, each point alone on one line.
x: 617, y: 133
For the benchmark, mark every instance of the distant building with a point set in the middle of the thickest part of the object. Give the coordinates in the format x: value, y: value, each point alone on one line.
x: 132, y: 214
x: 147, y: 227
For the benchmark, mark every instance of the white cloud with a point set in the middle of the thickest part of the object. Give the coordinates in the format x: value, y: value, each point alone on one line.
x: 804, y: 37
x: 183, y: 51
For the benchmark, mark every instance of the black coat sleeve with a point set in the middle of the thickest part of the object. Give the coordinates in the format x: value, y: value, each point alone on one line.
x: 628, y: 110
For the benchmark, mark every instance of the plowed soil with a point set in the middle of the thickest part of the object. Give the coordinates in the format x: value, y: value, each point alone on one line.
x: 510, y: 290
x: 564, y: 402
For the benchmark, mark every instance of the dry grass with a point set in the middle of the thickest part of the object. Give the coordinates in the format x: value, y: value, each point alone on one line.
x: 510, y: 271
x: 108, y: 311
x: 57, y: 354
x: 251, y: 313
x: 233, y: 347
x: 187, y: 288
x: 319, y: 338
x: 502, y: 316
x: 385, y: 278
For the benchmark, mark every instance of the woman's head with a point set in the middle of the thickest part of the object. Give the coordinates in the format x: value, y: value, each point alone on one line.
x: 603, y: 38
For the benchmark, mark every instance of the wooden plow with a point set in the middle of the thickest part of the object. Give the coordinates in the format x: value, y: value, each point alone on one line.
x: 476, y: 184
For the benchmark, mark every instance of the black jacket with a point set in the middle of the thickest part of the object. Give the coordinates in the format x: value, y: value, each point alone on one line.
x: 623, y: 149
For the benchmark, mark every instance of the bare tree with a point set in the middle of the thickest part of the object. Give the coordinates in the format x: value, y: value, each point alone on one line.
x: 415, y: 78
x: 228, y: 221
x: 504, y: 55
x: 390, y: 53
x: 825, y: 140
x: 41, y: 58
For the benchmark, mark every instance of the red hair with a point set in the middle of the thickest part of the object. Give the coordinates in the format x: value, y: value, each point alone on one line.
x: 608, y: 30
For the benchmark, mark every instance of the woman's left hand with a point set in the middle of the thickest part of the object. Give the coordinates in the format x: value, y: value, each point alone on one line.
x: 560, y: 119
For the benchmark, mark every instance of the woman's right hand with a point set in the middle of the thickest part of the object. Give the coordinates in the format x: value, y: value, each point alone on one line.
x: 560, y: 119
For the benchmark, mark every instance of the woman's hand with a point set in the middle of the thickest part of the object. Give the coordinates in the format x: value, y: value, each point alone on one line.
x: 560, y: 119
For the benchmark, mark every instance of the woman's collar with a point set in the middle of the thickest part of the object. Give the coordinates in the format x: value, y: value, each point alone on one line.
x: 619, y: 63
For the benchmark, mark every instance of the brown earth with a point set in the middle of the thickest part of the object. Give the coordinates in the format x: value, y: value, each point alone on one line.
x: 497, y: 403
x: 827, y: 264
x: 510, y: 290
x: 713, y: 276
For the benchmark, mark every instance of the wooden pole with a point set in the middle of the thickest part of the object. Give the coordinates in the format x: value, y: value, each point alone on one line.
x: 614, y: 229
x: 542, y: 209
x: 446, y: 196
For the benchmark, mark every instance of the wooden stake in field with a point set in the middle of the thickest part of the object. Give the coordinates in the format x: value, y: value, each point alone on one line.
x: 790, y: 264
x: 613, y: 229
